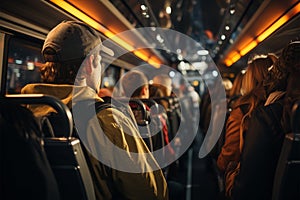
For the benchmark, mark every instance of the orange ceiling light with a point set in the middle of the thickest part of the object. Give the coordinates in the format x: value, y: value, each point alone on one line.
x: 272, y: 28
x: 248, y: 47
x: 96, y: 25
x: 80, y: 15
x: 236, y: 57
x: 154, y: 61
x: 140, y: 54
x: 263, y: 35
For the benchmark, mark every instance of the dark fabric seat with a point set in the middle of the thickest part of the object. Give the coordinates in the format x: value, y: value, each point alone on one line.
x: 287, y: 178
x: 25, y: 170
x: 64, y: 152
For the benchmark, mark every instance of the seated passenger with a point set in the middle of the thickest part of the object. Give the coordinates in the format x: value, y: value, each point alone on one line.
x: 121, y: 165
x: 237, y: 123
x: 267, y: 128
x: 135, y: 85
x: 164, y: 82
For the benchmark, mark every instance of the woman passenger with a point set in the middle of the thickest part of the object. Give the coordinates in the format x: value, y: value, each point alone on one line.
x: 266, y: 132
x: 253, y: 95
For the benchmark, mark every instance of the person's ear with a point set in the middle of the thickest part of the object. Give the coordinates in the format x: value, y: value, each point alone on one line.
x: 89, y: 65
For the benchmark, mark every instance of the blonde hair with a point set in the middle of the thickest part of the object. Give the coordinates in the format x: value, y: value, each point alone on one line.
x: 237, y: 85
x: 253, y: 92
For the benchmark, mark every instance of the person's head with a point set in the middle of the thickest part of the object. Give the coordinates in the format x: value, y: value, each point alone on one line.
x: 253, y: 91
x: 289, y: 62
x: 135, y: 84
x: 71, y: 52
x: 257, y: 71
x: 155, y: 91
x: 289, y: 65
x: 164, y: 82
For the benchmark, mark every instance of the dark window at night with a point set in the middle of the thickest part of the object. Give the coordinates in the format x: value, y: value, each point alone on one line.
x: 24, y: 61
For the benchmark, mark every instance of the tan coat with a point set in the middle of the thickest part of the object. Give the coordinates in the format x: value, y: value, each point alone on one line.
x: 115, y: 148
x: 231, y: 148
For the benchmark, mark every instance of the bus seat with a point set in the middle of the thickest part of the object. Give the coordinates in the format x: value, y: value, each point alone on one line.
x: 155, y: 124
x: 173, y: 113
x: 65, y: 154
x: 25, y: 170
x: 287, y: 176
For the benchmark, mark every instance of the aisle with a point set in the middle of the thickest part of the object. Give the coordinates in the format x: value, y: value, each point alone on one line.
x: 196, y: 176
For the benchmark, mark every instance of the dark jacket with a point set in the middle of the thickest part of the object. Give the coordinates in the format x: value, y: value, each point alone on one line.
x: 260, y: 154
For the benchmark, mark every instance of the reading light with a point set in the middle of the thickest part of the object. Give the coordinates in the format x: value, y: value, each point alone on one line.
x: 232, y: 9
x: 143, y: 7
x: 168, y: 10
x: 223, y: 37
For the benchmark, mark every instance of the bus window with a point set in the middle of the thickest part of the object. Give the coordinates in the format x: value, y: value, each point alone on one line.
x: 23, y: 62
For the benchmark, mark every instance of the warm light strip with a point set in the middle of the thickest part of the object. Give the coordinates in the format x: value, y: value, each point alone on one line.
x: 141, y: 55
x: 74, y: 11
x: 272, y: 28
x: 154, y: 62
x: 85, y: 18
x: 228, y: 62
x: 235, y: 58
x: 248, y: 47
x: 281, y: 21
x: 295, y: 10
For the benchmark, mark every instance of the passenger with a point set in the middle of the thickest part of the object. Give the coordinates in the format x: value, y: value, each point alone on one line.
x: 176, y: 189
x: 267, y: 129
x: 155, y: 92
x: 129, y: 83
x: 237, y: 123
x: 164, y: 82
x: 72, y: 49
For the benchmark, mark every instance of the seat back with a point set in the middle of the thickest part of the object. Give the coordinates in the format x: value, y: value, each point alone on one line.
x: 25, y: 172
x: 64, y: 153
x: 173, y: 112
x: 155, y: 124
x: 287, y: 177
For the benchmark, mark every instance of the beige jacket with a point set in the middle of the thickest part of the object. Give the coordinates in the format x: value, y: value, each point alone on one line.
x: 115, y: 143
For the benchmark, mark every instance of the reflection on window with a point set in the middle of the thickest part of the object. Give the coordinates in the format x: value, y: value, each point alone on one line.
x: 24, y: 61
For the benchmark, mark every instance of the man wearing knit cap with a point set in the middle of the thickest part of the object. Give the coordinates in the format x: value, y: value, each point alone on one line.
x: 119, y: 166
